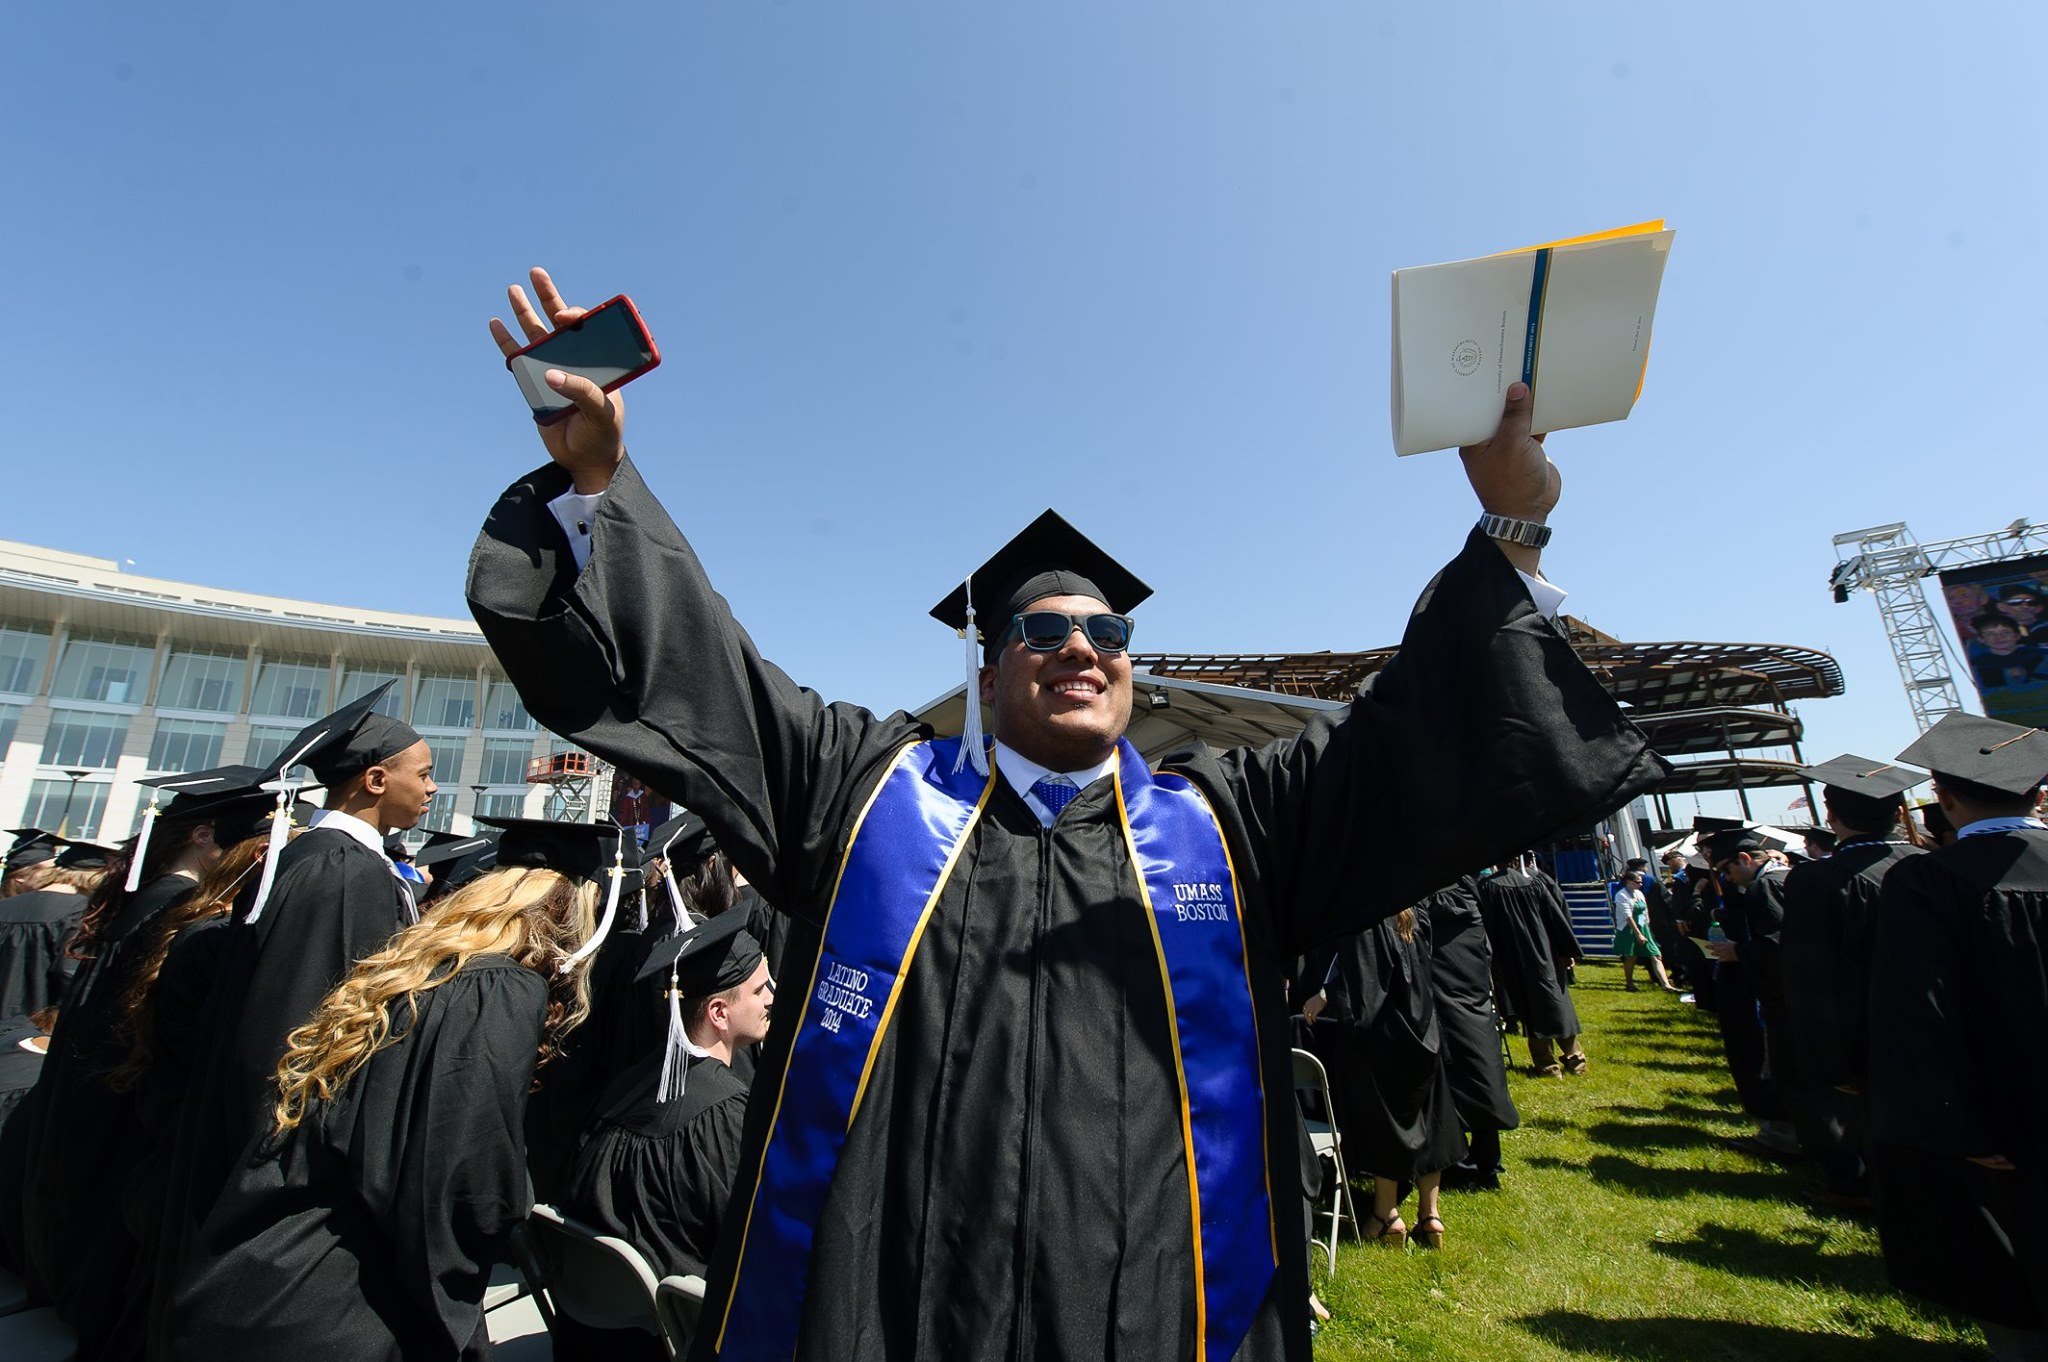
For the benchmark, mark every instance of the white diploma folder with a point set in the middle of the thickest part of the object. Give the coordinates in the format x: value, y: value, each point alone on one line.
x: 1572, y: 319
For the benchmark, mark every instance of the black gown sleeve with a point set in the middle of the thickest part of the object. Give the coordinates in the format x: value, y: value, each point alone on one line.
x: 637, y: 659
x: 435, y: 1143
x: 1483, y: 734
x: 1928, y: 1085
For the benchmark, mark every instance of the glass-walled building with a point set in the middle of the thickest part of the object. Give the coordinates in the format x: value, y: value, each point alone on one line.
x: 106, y: 677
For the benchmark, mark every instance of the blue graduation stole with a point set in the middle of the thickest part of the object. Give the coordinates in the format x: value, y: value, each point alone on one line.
x: 903, y: 849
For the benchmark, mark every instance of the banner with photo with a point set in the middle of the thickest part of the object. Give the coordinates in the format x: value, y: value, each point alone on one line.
x: 2001, y: 616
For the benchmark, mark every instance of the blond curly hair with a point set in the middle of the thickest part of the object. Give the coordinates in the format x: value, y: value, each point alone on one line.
x: 537, y: 917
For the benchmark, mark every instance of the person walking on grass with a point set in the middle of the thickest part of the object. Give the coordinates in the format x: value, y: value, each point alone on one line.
x: 1632, y: 939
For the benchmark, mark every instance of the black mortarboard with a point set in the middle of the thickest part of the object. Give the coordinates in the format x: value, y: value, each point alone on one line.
x: 682, y: 841
x: 395, y: 848
x: 444, y: 847
x: 2000, y: 756
x: 32, y: 846
x: 84, y: 856
x: 1704, y: 825
x: 715, y: 955
x: 582, y: 851
x: 347, y: 742
x: 1861, y: 775
x: 1048, y: 557
x: 1728, y: 841
x: 232, y: 798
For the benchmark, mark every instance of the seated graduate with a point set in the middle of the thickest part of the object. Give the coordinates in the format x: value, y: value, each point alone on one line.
x: 1958, y: 1044
x: 37, y: 927
x: 364, y: 1221
x: 83, y: 1139
x: 661, y: 1156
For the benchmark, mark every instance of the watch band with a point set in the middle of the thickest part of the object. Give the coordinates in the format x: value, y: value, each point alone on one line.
x: 1527, y: 533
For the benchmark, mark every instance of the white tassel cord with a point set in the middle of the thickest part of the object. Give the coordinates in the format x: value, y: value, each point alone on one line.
x: 611, y: 910
x: 973, y: 747
x: 675, y: 1059
x: 280, y: 827
x: 141, y: 847
x: 675, y: 896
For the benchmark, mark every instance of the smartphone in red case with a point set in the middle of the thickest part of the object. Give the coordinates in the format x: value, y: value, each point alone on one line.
x: 609, y: 345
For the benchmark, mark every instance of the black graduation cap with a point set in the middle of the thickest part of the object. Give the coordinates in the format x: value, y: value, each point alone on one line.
x: 84, y: 856
x: 347, y: 742
x: 709, y: 958
x: 2000, y: 756
x: 442, y: 848
x: 1704, y: 825
x: 232, y: 798
x: 1048, y: 557
x: 1728, y: 841
x: 32, y: 846
x: 1861, y: 775
x: 683, y: 840
x: 582, y: 851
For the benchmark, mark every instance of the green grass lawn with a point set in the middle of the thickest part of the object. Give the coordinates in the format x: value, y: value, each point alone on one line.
x: 1626, y: 1229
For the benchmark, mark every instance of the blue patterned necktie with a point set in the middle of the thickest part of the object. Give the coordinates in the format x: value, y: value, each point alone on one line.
x: 1055, y: 792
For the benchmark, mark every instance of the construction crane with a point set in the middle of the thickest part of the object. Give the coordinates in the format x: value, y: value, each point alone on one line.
x: 1886, y: 561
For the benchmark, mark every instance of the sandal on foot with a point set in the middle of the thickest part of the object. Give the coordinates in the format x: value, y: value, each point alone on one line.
x: 1427, y: 1237
x: 1391, y: 1231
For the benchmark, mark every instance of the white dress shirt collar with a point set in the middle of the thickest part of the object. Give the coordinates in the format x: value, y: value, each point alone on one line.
x: 351, y: 825
x: 1023, y: 773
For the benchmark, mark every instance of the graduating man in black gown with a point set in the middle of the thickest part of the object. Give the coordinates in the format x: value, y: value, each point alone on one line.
x: 1756, y: 1030
x: 1016, y: 1182
x: 1959, y: 1040
x: 1830, y: 924
x: 1461, y: 973
x: 1533, y: 946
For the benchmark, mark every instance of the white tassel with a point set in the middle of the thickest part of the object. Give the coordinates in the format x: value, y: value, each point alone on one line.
x: 675, y: 1058
x: 973, y: 748
x: 280, y: 826
x: 640, y: 915
x: 141, y: 847
x: 675, y: 896
x: 611, y: 910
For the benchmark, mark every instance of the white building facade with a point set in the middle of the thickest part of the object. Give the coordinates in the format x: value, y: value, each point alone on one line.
x: 107, y: 677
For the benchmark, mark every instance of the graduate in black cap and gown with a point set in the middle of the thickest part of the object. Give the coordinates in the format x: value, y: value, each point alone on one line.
x: 1006, y: 1174
x: 1533, y: 948
x: 1830, y: 928
x: 1756, y: 1029
x: 28, y: 854
x: 657, y: 1166
x: 363, y: 1222
x: 37, y: 925
x: 1461, y: 976
x: 322, y: 901
x: 1959, y: 1040
x: 83, y: 1132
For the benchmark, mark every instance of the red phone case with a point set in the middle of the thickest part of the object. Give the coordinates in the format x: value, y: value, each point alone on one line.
x: 653, y: 351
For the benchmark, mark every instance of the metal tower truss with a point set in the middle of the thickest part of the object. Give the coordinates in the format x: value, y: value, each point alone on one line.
x: 1885, y: 561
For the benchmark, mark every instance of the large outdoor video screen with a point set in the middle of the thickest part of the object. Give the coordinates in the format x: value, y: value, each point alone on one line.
x: 2001, y: 615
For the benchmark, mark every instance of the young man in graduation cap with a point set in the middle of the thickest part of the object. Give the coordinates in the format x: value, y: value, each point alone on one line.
x: 975, y: 1133
x: 1749, y: 984
x: 657, y: 1164
x: 324, y: 900
x: 1830, y: 926
x: 32, y: 848
x: 1958, y: 1081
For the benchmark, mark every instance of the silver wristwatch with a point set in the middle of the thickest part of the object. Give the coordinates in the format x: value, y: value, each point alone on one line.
x: 1528, y: 533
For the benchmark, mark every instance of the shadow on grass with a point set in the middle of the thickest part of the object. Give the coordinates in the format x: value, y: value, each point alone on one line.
x: 1628, y: 1175
x: 1650, y: 1134
x: 1792, y: 1256
x: 1670, y: 1338
x: 1678, y: 1111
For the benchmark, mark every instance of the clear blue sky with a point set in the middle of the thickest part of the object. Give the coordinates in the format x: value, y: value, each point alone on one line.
x: 921, y: 270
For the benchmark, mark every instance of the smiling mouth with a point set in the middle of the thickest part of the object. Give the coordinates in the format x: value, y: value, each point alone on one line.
x: 1076, y: 688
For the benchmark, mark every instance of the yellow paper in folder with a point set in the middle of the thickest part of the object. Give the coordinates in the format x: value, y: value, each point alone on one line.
x: 1572, y: 318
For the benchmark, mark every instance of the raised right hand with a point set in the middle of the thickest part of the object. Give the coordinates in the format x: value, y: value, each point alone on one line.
x: 591, y: 441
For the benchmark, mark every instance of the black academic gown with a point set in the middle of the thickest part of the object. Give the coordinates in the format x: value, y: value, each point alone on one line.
x: 1013, y: 1187
x: 33, y: 968
x: 1749, y: 996
x: 1461, y: 973
x: 1830, y: 929
x: 1663, y: 924
x: 370, y: 1231
x: 1958, y: 1070
x: 1688, y: 913
x: 83, y: 1139
x: 1385, y: 1049
x: 658, y: 1174
x: 1528, y: 971
x: 335, y: 901
x: 19, y: 1069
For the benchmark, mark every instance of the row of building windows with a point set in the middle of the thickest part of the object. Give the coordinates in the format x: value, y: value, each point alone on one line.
x: 103, y: 671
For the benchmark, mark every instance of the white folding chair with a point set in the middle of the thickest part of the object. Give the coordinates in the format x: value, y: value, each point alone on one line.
x: 680, y: 1301
x: 593, y: 1278
x: 506, y: 1285
x: 1311, y: 1079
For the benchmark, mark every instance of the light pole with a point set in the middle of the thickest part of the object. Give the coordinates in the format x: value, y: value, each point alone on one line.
x: 476, y: 805
x: 64, y: 819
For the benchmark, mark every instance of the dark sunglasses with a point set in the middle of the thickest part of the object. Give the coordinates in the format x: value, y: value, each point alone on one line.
x: 1047, y: 631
